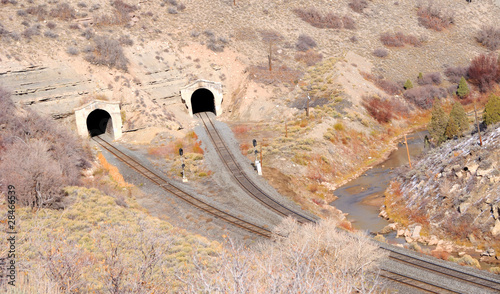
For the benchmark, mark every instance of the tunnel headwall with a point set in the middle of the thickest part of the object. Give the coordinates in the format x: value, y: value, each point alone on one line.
x: 113, y: 126
x: 214, y: 87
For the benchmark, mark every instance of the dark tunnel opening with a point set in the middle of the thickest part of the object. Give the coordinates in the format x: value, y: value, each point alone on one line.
x: 203, y: 100
x: 99, y: 122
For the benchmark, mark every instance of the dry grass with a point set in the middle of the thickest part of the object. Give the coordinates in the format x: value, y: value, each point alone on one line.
x: 113, y: 172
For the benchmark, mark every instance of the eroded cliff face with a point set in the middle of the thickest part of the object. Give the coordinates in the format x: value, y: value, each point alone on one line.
x: 456, y: 189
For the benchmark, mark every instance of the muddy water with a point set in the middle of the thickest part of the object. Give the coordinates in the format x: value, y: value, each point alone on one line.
x: 362, y: 197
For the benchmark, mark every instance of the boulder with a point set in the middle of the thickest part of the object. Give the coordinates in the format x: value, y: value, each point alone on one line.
x: 416, y: 232
x: 433, y: 241
x: 495, y: 230
x: 408, y: 240
x: 473, y: 168
x: 400, y: 233
x: 461, y: 253
x: 463, y: 207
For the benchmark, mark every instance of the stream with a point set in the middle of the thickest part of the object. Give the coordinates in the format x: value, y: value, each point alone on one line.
x: 362, y: 197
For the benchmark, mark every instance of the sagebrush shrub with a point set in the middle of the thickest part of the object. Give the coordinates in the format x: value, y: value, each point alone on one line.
x: 305, y: 43
x: 489, y: 37
x: 329, y: 20
x: 399, y: 39
x: 63, y: 11
x: 108, y: 52
x: 433, y: 17
x: 310, y: 57
x: 484, y: 71
x: 423, y: 96
x: 430, y: 78
x: 454, y: 74
x: 358, y: 5
x: 380, y: 52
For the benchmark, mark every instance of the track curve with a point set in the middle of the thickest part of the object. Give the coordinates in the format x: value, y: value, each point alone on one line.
x: 158, y: 180
x: 239, y: 175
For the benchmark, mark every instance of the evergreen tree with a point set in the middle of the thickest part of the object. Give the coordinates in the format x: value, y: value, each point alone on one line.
x: 459, y: 118
x: 451, y: 129
x: 408, y: 84
x: 463, y: 88
x: 492, y: 110
x: 437, y: 126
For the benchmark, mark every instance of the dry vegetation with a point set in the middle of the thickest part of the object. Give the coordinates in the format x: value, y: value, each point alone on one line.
x: 33, y: 158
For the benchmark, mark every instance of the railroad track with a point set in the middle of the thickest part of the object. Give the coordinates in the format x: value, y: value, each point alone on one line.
x: 240, y: 176
x: 158, y: 180
x: 462, y: 278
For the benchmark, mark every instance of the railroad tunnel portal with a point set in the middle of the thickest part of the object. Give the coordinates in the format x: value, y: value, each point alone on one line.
x: 203, y: 100
x: 99, y: 122
x: 201, y: 96
x: 98, y: 117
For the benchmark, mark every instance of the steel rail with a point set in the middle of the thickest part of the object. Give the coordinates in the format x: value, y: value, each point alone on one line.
x: 240, y: 176
x: 162, y: 183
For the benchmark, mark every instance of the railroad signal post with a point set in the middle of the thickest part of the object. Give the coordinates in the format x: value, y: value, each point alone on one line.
x: 181, y: 153
x: 257, y: 162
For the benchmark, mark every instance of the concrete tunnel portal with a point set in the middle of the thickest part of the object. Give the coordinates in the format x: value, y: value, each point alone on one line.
x: 99, y: 122
x: 99, y: 117
x: 201, y: 96
x: 203, y: 100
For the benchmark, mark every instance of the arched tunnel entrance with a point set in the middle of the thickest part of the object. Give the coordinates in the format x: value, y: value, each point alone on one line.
x: 99, y: 122
x: 203, y: 100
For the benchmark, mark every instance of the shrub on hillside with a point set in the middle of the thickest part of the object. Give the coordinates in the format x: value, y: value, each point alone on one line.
x: 329, y: 20
x: 63, y: 11
x: 39, y: 11
x: 433, y: 17
x: 379, y: 109
x: 107, y: 52
x: 484, y: 71
x: 489, y: 37
x: 492, y: 110
x: 390, y: 87
x: 305, y: 43
x: 380, y: 52
x: 430, y: 78
x: 398, y: 39
x: 122, y: 15
x: 358, y: 5
x: 454, y: 74
x: 310, y: 57
x: 423, y: 96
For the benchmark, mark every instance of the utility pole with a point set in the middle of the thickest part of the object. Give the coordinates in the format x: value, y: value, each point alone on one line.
x: 269, y: 56
x: 477, y: 124
x: 307, y: 104
x: 408, y: 150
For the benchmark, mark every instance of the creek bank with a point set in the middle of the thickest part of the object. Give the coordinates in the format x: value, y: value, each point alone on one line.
x: 362, y: 196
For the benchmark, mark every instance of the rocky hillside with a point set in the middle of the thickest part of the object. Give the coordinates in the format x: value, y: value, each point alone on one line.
x: 454, y: 191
